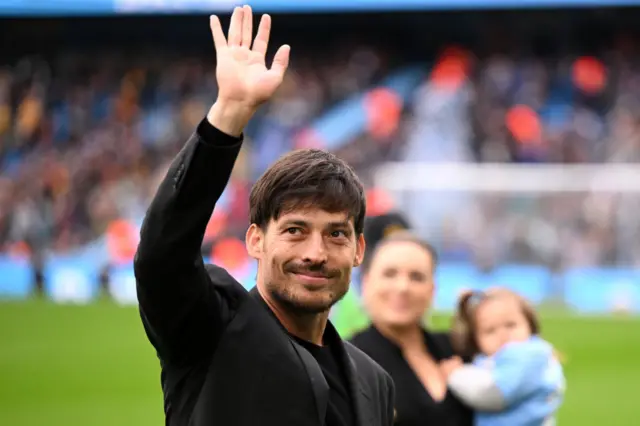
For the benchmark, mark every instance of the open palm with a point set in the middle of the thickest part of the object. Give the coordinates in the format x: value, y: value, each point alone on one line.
x: 242, y: 74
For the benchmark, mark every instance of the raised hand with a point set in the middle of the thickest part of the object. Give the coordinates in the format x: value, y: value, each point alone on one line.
x: 242, y: 74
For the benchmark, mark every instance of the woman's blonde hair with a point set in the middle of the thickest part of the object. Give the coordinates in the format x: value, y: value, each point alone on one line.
x: 464, y: 327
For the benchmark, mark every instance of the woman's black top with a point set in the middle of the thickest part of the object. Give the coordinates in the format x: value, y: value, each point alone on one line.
x: 414, y: 405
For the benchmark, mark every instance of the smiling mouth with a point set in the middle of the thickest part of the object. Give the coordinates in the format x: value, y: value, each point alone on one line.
x: 318, y: 278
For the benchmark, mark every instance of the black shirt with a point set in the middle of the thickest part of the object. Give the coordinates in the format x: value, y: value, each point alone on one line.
x: 339, y: 409
x: 414, y: 405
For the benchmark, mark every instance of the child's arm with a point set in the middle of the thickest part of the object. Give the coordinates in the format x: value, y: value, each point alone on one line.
x: 476, y: 388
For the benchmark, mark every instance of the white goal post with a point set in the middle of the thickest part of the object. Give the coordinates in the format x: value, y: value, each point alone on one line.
x: 511, y: 178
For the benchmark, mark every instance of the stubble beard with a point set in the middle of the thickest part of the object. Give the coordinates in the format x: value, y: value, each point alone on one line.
x: 295, y: 305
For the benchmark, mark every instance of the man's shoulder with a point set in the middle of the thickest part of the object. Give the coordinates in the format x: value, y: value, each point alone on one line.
x: 225, y: 284
x: 375, y: 382
x: 367, y: 368
x: 219, y: 275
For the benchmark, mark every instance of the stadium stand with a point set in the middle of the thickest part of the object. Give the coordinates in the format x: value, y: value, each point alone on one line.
x: 85, y: 140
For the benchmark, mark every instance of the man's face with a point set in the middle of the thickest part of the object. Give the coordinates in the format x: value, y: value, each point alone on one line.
x: 305, y: 258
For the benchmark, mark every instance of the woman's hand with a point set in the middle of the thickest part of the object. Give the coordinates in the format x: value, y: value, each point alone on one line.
x: 450, y: 365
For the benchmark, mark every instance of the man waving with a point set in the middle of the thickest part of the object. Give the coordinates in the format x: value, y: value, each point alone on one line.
x: 270, y: 356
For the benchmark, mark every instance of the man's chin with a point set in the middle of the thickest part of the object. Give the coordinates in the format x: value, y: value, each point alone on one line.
x: 311, y: 302
x: 311, y: 305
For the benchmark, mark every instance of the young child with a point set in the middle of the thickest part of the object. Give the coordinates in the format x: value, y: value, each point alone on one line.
x: 515, y: 378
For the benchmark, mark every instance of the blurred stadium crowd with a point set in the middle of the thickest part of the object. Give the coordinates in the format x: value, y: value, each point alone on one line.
x: 84, y: 141
x: 92, y: 110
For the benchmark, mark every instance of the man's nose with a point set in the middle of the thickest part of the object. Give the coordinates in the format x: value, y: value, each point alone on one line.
x: 315, y: 249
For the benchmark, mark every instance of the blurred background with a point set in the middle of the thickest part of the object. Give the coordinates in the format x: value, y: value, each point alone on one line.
x: 507, y: 132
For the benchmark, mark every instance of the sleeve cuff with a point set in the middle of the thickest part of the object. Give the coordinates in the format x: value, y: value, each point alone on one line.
x: 476, y: 388
x: 210, y: 135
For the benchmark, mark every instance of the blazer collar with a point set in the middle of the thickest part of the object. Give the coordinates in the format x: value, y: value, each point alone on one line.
x: 359, y: 391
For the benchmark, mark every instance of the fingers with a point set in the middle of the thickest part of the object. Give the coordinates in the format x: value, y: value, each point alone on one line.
x: 216, y: 31
x: 247, y: 27
x: 240, y: 28
x: 261, y: 42
x: 235, y: 27
x: 281, y: 60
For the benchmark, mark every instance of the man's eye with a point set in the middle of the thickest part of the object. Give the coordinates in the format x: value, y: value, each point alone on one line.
x: 293, y: 231
x: 338, y: 234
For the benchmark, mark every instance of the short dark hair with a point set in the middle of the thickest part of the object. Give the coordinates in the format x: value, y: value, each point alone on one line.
x: 308, y: 178
x: 400, y: 236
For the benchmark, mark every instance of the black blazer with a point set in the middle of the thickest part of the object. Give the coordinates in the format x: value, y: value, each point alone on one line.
x: 225, y: 359
x: 413, y: 403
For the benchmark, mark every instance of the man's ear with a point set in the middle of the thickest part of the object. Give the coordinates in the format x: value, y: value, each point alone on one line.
x: 360, y: 249
x: 254, y: 240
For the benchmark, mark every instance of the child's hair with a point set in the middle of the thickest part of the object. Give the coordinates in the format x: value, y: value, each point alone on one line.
x: 463, y: 331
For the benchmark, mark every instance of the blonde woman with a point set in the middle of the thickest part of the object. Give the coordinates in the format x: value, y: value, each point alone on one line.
x: 398, y: 288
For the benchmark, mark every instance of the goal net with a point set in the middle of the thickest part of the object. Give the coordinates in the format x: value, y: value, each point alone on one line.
x: 551, y: 232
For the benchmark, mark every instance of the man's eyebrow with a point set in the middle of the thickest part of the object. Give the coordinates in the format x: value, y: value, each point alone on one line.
x: 300, y: 222
x: 297, y: 222
x: 340, y: 224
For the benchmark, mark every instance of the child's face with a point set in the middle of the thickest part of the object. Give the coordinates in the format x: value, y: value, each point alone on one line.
x: 500, y: 321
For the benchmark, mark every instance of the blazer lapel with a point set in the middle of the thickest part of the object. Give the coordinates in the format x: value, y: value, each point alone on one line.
x: 361, y: 397
x: 358, y: 389
x: 318, y: 382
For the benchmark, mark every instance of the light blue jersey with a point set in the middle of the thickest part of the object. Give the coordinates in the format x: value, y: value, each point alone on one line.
x: 521, y: 385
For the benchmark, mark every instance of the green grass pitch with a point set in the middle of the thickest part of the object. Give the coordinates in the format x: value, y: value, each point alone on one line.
x: 92, y: 365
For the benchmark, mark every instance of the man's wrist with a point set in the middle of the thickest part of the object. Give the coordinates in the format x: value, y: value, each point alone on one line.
x: 230, y: 117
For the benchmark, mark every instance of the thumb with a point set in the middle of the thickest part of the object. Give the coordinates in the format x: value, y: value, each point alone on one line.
x: 281, y: 60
